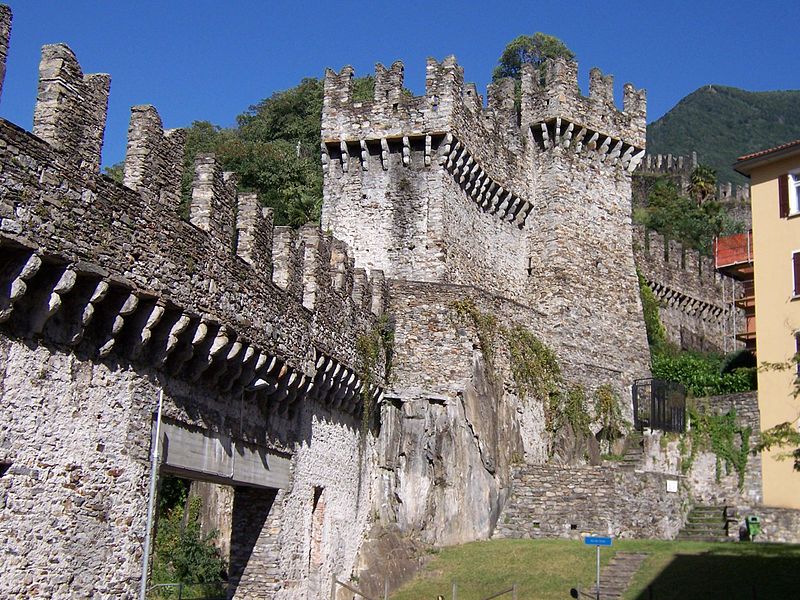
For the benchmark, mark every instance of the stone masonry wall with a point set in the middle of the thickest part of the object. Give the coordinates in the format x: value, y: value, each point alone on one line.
x: 778, y: 525
x: 566, y: 502
x: 664, y: 453
x: 551, y: 501
x: 453, y: 424
x: 582, y: 274
x: 73, y: 513
x: 394, y: 222
x: 695, y: 301
x: 480, y: 214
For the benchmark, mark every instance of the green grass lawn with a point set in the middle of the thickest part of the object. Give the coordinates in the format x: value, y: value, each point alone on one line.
x: 544, y: 569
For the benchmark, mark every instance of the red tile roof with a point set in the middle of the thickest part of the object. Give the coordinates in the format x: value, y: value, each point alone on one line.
x: 769, y: 150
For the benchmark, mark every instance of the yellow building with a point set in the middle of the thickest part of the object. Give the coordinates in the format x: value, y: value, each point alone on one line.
x: 775, y: 199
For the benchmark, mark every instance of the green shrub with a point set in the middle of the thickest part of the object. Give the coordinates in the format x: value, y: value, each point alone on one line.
x: 656, y: 334
x: 701, y: 373
x: 183, y: 553
x: 608, y: 413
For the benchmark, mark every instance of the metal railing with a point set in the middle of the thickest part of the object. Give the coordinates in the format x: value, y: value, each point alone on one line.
x: 659, y: 404
x: 512, y: 590
x: 336, y: 583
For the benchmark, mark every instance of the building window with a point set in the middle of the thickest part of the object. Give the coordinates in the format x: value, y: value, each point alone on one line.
x: 794, y: 193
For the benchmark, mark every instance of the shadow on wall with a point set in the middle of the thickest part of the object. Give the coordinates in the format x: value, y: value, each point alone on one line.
x: 250, y: 538
x: 764, y: 571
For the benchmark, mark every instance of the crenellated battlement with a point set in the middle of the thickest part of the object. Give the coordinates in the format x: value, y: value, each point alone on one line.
x: 223, y: 299
x: 669, y: 256
x: 726, y: 192
x: 154, y: 158
x: 686, y: 284
x: 679, y: 169
x: 71, y: 107
x: 667, y: 164
x: 451, y: 106
x: 557, y: 95
x: 391, y: 113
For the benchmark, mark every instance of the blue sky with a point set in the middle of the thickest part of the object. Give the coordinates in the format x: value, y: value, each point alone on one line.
x: 210, y: 60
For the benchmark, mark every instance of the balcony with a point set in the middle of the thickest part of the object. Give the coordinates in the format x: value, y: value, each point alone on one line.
x: 733, y: 255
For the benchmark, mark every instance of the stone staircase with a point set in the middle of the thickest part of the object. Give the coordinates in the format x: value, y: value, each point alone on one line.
x: 617, y: 574
x: 634, y: 451
x: 705, y: 524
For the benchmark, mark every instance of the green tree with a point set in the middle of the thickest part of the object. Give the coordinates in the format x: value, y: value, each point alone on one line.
x: 115, y: 171
x: 529, y: 49
x: 703, y: 183
x: 274, y: 149
x: 680, y: 218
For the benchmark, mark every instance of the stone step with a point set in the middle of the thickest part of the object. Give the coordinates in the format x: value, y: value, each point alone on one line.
x: 617, y: 574
x: 689, y: 527
x: 706, y: 523
x: 693, y: 518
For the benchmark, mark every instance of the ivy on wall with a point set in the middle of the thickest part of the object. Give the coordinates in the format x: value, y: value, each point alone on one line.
x: 608, y: 413
x: 534, y: 369
x: 373, y: 347
x: 656, y: 334
x: 722, y: 435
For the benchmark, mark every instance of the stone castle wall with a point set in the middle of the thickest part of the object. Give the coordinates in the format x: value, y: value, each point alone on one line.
x: 108, y: 299
x: 735, y: 199
x: 527, y: 216
x: 695, y: 301
x: 662, y: 453
x: 568, y: 502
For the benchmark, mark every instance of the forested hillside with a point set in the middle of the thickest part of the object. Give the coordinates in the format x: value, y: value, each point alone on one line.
x: 722, y: 123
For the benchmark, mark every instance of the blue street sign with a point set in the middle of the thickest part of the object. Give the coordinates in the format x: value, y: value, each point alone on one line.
x: 597, y: 541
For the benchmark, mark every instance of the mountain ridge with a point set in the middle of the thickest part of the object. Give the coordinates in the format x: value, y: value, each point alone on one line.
x: 721, y: 123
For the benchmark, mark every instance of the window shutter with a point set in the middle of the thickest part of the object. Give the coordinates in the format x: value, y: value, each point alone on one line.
x: 797, y: 354
x: 796, y: 264
x: 783, y: 195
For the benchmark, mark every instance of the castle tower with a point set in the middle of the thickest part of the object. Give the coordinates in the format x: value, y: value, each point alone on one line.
x: 581, y: 153
x: 532, y: 207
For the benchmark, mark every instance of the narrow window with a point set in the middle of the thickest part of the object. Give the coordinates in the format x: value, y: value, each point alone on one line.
x: 315, y: 557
